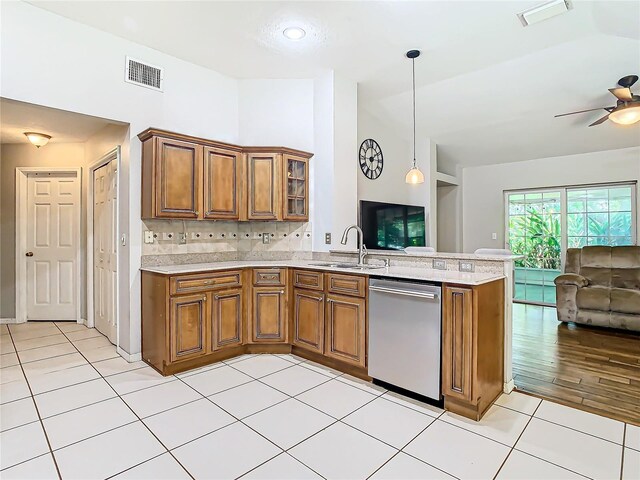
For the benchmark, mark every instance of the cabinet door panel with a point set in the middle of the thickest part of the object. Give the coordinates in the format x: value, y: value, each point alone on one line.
x: 226, y: 319
x: 457, y: 344
x: 269, y: 315
x: 346, y: 329
x: 187, y: 326
x: 308, y: 320
x: 263, y: 187
x: 178, y: 179
x: 221, y: 183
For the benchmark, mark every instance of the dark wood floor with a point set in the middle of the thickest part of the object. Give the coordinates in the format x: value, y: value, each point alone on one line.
x: 593, y: 369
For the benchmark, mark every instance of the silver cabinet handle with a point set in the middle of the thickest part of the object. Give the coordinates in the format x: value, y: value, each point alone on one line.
x: 393, y: 291
x: 281, y: 292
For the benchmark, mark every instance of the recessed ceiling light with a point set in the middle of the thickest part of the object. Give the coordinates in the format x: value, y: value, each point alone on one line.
x: 294, y: 33
x: 543, y: 12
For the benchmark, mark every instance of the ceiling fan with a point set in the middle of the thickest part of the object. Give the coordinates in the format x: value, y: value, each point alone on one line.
x: 627, y: 109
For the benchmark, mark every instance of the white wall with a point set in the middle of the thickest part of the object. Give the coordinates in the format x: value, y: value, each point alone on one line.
x: 82, y: 69
x: 276, y: 112
x: 334, y: 167
x: 483, y: 187
x: 390, y: 186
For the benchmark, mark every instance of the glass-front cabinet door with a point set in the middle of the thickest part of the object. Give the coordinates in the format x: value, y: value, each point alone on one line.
x: 296, y: 201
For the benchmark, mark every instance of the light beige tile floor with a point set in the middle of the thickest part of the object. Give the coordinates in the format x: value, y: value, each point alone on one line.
x: 70, y: 407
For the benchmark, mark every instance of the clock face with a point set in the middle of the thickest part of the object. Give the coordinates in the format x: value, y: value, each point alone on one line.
x: 370, y: 157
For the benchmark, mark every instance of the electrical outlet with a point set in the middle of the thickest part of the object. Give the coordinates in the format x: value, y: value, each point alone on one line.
x: 439, y: 264
x: 148, y: 236
x: 327, y: 238
x: 466, y: 267
x: 494, y: 236
x: 182, y: 238
x: 266, y: 238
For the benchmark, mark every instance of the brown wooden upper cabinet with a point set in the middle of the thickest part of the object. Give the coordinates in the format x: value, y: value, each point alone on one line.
x: 171, y: 178
x: 295, y: 204
x: 222, y: 183
x: 263, y: 186
x: 194, y: 178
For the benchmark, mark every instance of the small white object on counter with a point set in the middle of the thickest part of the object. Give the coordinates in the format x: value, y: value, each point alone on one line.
x: 408, y: 273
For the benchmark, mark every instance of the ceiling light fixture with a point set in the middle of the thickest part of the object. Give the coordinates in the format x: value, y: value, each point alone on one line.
x: 543, y: 12
x: 38, y: 139
x: 626, y: 115
x: 414, y: 176
x: 294, y: 33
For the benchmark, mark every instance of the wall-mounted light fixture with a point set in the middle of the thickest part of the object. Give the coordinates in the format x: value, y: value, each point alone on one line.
x: 38, y: 139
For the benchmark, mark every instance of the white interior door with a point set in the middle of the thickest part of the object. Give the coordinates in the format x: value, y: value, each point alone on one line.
x: 105, y: 244
x: 53, y: 243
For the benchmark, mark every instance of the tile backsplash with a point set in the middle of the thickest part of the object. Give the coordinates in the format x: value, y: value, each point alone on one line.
x: 221, y: 236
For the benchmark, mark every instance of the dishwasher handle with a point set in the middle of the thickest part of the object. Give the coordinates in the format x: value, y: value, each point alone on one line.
x: 393, y: 291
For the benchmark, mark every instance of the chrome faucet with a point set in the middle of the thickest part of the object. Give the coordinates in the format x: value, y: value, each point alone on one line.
x: 362, y: 250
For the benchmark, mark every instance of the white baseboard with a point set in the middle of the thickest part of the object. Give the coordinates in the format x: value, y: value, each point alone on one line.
x: 129, y: 357
x: 5, y: 321
x: 509, y: 386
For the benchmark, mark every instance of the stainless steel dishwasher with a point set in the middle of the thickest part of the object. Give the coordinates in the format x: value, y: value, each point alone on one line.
x: 405, y: 323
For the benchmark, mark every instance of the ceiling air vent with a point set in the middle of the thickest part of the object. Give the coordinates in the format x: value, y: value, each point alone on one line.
x: 143, y: 74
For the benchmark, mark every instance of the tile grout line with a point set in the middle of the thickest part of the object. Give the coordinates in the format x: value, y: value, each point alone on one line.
x: 401, y: 450
x: 44, y: 431
x: 132, y: 411
x: 532, y: 416
x: 240, y: 420
x: 624, y: 439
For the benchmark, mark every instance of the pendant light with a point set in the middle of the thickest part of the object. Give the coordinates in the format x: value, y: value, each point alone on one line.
x: 414, y: 176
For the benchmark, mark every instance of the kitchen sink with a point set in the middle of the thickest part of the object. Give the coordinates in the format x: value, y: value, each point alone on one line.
x: 354, y: 266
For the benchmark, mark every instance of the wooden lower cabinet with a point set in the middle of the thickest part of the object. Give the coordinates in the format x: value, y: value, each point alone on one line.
x: 472, y: 347
x: 269, y: 315
x: 308, y: 320
x: 226, y: 317
x: 346, y: 329
x: 457, y: 339
x: 188, y: 315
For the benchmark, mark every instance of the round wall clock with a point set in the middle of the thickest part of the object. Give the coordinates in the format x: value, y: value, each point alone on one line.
x: 370, y: 157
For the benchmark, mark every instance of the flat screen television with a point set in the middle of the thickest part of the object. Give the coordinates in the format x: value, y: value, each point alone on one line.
x: 388, y: 226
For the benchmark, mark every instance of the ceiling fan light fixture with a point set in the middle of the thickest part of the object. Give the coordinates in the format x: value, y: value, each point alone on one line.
x: 38, y: 139
x: 626, y: 115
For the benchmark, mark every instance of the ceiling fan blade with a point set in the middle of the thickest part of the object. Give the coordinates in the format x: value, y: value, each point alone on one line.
x: 600, y: 120
x: 622, y: 93
x: 583, y: 111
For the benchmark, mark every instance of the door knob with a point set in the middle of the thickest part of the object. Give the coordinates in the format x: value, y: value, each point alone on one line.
x: 29, y: 254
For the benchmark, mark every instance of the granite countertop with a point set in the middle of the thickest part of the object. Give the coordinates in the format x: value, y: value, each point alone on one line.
x: 408, y: 273
x: 458, y: 256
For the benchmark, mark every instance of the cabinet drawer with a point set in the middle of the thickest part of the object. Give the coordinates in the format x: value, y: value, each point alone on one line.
x: 308, y: 279
x: 204, y: 281
x: 346, y: 284
x: 269, y: 276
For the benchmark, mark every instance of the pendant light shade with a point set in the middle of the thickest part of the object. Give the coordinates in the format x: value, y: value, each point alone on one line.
x: 414, y: 176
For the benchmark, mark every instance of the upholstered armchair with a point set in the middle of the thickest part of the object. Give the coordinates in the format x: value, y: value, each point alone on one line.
x: 600, y: 287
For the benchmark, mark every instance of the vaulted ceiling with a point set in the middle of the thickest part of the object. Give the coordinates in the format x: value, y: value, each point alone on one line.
x: 488, y: 87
